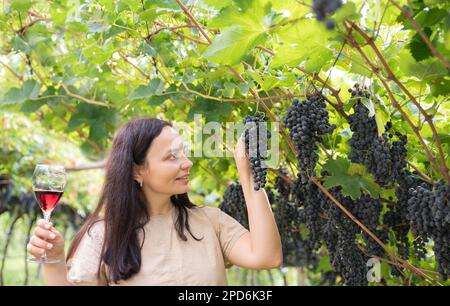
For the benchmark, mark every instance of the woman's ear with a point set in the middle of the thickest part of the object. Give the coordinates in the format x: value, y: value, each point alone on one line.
x: 137, y: 173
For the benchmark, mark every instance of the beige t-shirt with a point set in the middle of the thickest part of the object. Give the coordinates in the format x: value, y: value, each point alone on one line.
x: 166, y: 259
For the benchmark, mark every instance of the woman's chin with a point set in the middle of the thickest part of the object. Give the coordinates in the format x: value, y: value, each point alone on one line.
x: 183, y: 187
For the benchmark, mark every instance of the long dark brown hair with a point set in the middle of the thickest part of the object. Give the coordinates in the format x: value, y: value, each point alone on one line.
x: 123, y: 203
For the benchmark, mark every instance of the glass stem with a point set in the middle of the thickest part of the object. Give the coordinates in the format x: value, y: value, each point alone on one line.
x: 47, y: 219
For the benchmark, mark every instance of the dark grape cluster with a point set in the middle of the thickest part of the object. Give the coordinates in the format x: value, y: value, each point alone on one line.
x: 429, y: 213
x: 5, y: 191
x: 256, y: 136
x: 379, y: 161
x: 289, y: 217
x: 419, y: 245
x: 233, y: 203
x: 324, y: 8
x: 368, y: 211
x: 396, y: 218
x: 398, y: 153
x: 312, y: 208
x: 339, y: 235
x: 364, y: 128
x: 383, y: 156
x: 307, y: 122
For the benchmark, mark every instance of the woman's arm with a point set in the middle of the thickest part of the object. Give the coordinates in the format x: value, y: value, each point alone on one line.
x: 261, y: 248
x: 56, y: 274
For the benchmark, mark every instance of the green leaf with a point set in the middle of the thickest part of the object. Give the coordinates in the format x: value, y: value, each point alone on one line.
x: 249, y: 14
x: 346, y: 11
x: 148, y: 49
x: 418, y: 47
x: 19, y: 44
x: 369, y: 105
x: 22, y: 5
x: 430, y: 17
x: 380, y: 120
x: 155, y: 87
x: 29, y: 90
x: 350, y: 104
x: 324, y: 264
x: 351, y: 178
x: 339, y: 165
x: 211, y: 110
x: 229, y: 89
x: 306, y: 41
x: 218, y: 4
x: 245, y: 87
x: 76, y: 121
x: 233, y: 44
x: 30, y: 106
x: 12, y: 96
x: 425, y: 70
x: 155, y: 8
x: 350, y: 184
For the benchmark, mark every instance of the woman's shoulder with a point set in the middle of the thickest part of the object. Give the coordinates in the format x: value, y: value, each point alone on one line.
x: 96, y: 230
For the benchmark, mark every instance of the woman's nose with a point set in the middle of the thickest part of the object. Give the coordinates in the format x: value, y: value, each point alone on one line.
x: 186, y: 164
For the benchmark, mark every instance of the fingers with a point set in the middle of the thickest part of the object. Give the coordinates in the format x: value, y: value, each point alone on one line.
x: 40, y: 243
x: 44, y: 224
x: 38, y: 246
x: 44, y: 234
x: 35, y: 251
x: 45, y: 238
x: 44, y: 230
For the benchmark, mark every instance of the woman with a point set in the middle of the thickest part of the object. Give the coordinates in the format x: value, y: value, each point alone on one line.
x: 145, y: 231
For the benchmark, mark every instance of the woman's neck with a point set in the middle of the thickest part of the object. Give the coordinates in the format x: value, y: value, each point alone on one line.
x: 157, y: 203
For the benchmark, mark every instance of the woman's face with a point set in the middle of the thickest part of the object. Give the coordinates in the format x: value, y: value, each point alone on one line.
x: 167, y: 163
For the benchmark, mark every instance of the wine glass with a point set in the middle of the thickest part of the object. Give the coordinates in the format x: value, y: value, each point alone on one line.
x: 48, y: 186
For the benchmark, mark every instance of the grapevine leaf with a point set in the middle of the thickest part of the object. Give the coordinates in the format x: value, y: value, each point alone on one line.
x: 351, y: 178
x: 155, y: 87
x: 29, y: 90
x: 418, y: 47
x: 380, y: 120
x: 230, y: 47
x: 369, y: 105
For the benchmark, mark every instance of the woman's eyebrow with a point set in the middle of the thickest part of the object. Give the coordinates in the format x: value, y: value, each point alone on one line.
x: 171, y: 150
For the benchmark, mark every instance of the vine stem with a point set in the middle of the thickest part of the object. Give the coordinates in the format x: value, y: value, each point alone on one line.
x: 89, y: 101
x: 12, y: 70
x: 194, y: 21
x: 371, y: 234
x: 434, y: 51
x: 392, y: 262
x: 390, y: 75
x: 423, y: 175
x: 283, y: 176
x: 334, y: 64
x: 234, y: 100
x: 165, y: 27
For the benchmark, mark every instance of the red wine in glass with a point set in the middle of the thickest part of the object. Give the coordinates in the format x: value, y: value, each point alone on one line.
x: 48, y: 186
x: 48, y: 199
